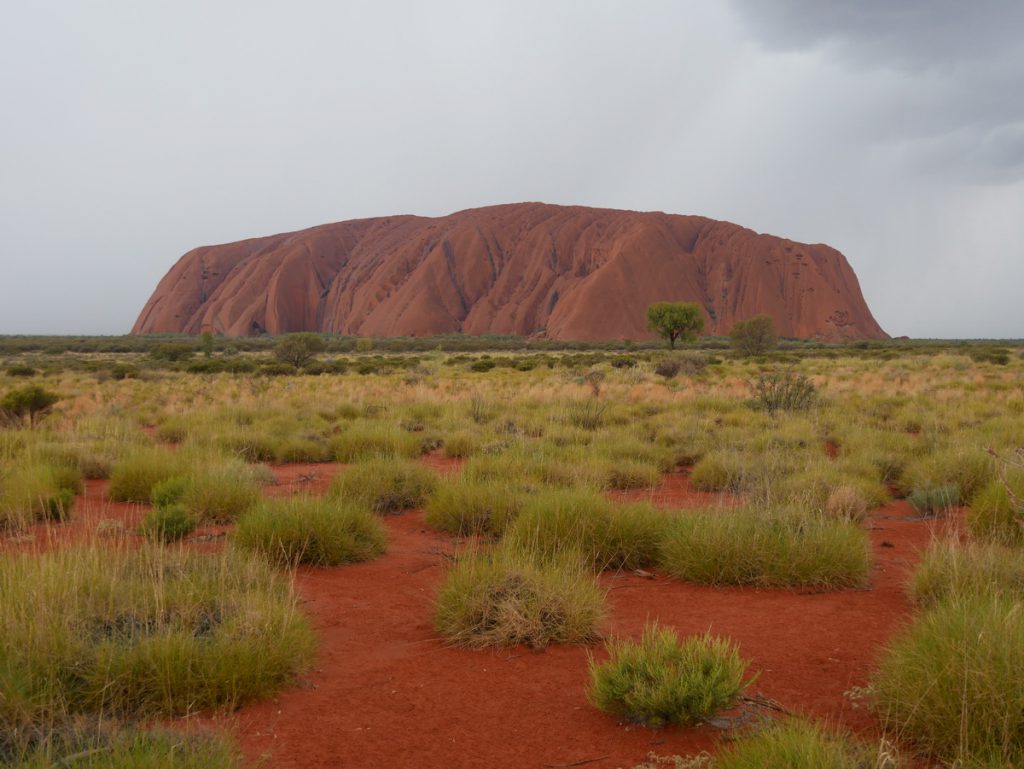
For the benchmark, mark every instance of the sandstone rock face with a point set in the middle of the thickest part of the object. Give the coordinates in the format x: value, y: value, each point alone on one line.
x: 530, y: 269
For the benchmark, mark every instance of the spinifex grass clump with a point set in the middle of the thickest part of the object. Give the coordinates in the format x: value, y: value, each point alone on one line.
x: 950, y: 569
x: 661, y: 679
x: 220, y: 491
x: 959, y: 472
x: 503, y: 599
x: 934, y: 500
x: 385, y: 486
x: 366, y: 439
x: 143, y: 632
x: 321, y: 532
x: 752, y: 546
x: 465, y: 506
x: 32, y: 491
x: 134, y: 477
x: 997, y: 510
x: 952, y: 682
x: 721, y: 471
x: 607, y: 535
x: 109, y: 748
x: 795, y: 744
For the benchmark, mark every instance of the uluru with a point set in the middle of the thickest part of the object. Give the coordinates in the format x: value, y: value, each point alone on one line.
x: 529, y: 269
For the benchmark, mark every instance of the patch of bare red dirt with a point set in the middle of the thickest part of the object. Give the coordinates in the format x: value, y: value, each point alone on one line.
x: 386, y: 692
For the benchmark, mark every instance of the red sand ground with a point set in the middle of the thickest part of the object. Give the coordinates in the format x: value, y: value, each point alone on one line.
x: 386, y: 692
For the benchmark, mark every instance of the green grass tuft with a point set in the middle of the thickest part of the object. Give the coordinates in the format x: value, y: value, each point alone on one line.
x: 134, y: 477
x: 606, y: 535
x: 769, y: 548
x: 951, y: 683
x: 950, y: 569
x: 311, y: 530
x: 141, y: 632
x: 795, y: 744
x: 503, y: 599
x: 386, y: 486
x: 661, y: 679
x: 465, y: 506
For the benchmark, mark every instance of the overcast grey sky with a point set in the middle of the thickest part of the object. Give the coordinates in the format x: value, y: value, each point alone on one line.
x: 133, y: 131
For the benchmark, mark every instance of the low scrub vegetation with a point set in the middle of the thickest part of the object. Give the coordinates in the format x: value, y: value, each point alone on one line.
x: 465, y: 506
x: 751, y: 546
x: 108, y: 747
x: 140, y: 633
x: 504, y: 599
x: 661, y: 679
x: 796, y: 744
x: 951, y: 569
x: 311, y: 530
x: 951, y: 682
x: 385, y: 486
x: 607, y: 536
x: 134, y: 477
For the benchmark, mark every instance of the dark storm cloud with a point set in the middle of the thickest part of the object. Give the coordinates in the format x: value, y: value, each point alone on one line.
x: 909, y: 34
x: 949, y: 73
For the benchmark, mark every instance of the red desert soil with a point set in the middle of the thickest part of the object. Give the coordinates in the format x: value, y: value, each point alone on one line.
x: 528, y: 269
x: 386, y: 692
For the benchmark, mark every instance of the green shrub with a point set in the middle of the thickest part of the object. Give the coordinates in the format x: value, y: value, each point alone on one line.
x: 168, y: 523
x: 141, y: 632
x: 465, y: 506
x: 783, y: 391
x: 21, y: 370
x: 754, y: 336
x: 994, y: 515
x: 796, y: 744
x: 134, y: 477
x: 170, y: 491
x: 385, y: 486
x: 950, y: 569
x: 934, y: 500
x: 501, y: 599
x: 951, y: 683
x: 311, y: 530
x: 608, y: 536
x: 762, y: 547
x: 662, y: 680
x: 29, y: 402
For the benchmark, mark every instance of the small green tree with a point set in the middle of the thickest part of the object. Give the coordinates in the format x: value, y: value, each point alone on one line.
x: 298, y: 349
x: 31, y: 402
x: 754, y: 336
x: 206, y: 342
x: 675, y: 320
